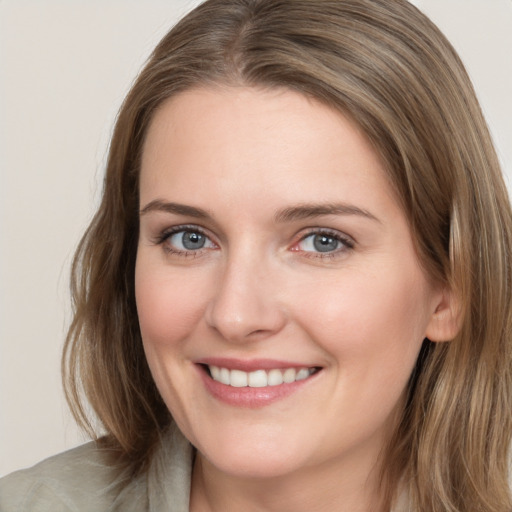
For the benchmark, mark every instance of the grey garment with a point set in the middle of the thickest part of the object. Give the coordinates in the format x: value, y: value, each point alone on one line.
x: 80, y: 480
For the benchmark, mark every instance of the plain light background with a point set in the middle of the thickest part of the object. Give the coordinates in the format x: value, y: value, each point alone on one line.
x: 65, y: 66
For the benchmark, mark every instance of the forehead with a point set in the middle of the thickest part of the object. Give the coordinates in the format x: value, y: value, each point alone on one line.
x: 247, y: 135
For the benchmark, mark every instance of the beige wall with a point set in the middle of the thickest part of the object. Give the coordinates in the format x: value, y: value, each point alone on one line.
x: 64, y: 68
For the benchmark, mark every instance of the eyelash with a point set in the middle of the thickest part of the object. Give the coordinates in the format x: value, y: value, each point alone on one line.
x: 168, y: 233
x: 346, y: 242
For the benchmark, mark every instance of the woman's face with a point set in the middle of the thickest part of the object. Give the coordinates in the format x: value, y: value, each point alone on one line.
x: 280, y: 299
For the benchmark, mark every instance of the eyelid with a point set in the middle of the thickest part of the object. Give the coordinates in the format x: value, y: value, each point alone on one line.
x: 172, y: 230
x: 166, y: 234
x: 347, y: 242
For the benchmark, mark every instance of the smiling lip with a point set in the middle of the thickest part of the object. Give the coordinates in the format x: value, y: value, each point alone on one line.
x: 255, y: 393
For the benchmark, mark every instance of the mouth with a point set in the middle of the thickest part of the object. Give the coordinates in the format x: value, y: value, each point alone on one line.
x: 260, y: 378
x: 256, y: 383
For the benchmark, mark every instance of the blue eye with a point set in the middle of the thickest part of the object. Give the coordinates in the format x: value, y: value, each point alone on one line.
x: 324, y: 243
x: 186, y: 240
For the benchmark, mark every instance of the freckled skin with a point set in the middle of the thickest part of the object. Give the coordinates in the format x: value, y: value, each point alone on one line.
x: 259, y: 290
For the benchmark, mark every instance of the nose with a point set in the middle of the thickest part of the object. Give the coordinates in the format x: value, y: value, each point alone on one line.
x: 245, y: 305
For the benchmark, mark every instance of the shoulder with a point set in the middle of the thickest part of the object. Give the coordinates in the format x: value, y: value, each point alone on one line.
x: 79, y: 479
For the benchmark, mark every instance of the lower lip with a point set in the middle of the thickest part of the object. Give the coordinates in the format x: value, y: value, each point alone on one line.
x: 248, y: 397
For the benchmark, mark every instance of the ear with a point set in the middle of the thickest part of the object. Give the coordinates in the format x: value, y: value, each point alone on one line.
x: 446, y: 321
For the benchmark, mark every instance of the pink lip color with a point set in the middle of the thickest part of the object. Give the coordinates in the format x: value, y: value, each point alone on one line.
x: 247, y: 397
x: 251, y: 365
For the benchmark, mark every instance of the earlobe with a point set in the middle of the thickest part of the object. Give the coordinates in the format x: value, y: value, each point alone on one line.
x: 446, y: 321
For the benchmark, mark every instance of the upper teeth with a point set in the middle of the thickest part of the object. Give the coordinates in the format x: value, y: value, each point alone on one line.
x: 258, y: 378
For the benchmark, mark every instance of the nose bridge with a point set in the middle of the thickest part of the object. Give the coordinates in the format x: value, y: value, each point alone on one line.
x: 244, y: 306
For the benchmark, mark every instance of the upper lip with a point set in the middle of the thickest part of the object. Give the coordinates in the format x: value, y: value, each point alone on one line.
x: 250, y: 365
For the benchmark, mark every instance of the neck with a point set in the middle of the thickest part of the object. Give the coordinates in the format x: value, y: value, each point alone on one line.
x: 313, y: 489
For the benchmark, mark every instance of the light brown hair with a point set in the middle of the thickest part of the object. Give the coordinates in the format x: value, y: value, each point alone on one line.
x: 389, y: 68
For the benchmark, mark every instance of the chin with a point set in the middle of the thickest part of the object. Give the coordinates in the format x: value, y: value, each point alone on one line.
x: 256, y: 459
x: 255, y: 466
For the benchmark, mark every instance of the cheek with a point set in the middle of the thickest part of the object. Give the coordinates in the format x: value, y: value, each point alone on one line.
x: 168, y: 307
x: 377, y: 320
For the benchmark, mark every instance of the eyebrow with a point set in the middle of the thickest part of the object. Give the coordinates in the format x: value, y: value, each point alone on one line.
x: 290, y: 214
x: 180, y: 209
x: 310, y: 211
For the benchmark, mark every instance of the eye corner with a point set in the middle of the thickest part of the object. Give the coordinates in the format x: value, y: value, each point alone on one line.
x: 323, y: 243
x: 185, y: 240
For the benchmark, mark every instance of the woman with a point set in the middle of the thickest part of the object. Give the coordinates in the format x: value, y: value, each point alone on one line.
x: 301, y: 267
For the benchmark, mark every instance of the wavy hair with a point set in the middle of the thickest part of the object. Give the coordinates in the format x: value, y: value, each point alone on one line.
x: 384, y: 64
